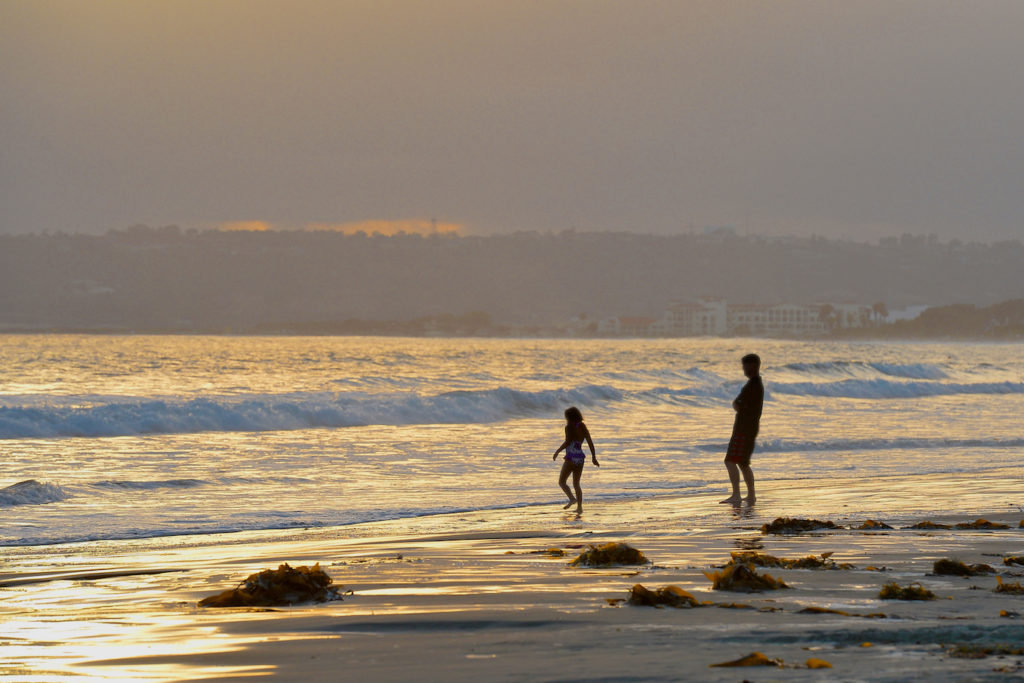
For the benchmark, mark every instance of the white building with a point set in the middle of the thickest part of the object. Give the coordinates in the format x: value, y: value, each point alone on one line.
x: 714, y: 317
x: 785, y: 319
x: 707, y: 317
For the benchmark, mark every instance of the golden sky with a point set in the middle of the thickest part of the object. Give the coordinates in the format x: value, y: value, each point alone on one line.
x: 851, y: 119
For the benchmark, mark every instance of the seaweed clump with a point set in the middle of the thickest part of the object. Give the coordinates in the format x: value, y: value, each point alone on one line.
x: 915, y: 591
x: 976, y: 651
x: 947, y: 567
x: 823, y: 561
x: 743, y: 579
x: 666, y: 596
x: 825, y: 610
x: 609, y: 554
x: 1013, y: 559
x: 1013, y: 587
x: 928, y: 525
x: 793, y: 525
x: 753, y: 659
x: 285, y: 585
x: 760, y: 659
x: 981, y: 524
x: 872, y: 525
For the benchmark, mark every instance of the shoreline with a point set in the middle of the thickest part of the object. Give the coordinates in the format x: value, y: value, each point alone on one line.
x: 974, y: 489
x: 467, y: 595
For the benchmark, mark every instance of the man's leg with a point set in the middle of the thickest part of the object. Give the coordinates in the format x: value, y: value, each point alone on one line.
x: 748, y: 477
x: 734, y: 478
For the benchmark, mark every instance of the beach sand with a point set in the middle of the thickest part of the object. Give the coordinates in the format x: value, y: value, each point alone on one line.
x: 466, y: 596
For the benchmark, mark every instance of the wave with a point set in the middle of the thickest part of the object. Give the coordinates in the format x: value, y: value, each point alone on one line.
x: 106, y: 416
x: 290, y: 411
x: 906, y: 371
x: 150, y: 485
x: 881, y: 388
x: 794, y: 446
x: 31, y: 492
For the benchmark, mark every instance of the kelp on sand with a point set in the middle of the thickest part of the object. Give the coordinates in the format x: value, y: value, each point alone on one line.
x: 949, y: 567
x: 794, y: 525
x: 609, y: 555
x: 915, y: 591
x: 666, y: 596
x: 742, y: 578
x: 823, y: 561
x: 760, y: 659
x: 285, y: 585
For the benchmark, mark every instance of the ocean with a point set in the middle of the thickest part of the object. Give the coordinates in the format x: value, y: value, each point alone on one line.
x: 137, y: 437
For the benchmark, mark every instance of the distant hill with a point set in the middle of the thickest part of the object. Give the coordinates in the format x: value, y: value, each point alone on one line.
x: 168, y: 279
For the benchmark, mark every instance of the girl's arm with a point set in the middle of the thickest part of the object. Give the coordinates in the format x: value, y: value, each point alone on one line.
x: 590, y: 442
x: 565, y: 444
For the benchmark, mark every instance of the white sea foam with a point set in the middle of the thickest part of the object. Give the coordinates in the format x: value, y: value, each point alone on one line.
x: 31, y: 492
x: 884, y: 389
x: 905, y: 370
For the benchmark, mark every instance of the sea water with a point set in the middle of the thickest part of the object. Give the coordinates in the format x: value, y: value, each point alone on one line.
x: 127, y: 437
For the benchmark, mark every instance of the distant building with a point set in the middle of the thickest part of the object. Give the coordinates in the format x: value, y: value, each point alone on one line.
x: 711, y: 317
x: 715, y: 317
x: 706, y: 317
x: 784, y: 319
x: 627, y: 326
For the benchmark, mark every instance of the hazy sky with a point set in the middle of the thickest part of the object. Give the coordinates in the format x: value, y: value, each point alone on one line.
x: 846, y: 118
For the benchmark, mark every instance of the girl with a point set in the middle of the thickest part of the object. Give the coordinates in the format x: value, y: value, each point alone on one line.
x: 575, y: 433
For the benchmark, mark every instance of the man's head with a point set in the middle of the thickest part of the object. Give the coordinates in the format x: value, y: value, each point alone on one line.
x: 751, y: 365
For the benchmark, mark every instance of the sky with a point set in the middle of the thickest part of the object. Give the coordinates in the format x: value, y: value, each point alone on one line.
x: 853, y: 120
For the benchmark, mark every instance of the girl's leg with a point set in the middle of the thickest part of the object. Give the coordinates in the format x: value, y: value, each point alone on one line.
x: 576, y: 472
x: 563, y: 475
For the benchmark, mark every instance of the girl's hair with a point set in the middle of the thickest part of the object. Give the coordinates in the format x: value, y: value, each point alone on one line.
x: 573, y: 415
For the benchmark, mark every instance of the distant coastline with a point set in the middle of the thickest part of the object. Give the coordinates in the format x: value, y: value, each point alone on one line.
x: 173, y: 281
x: 959, y: 322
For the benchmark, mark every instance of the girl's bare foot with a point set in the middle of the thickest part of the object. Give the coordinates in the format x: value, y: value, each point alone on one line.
x: 750, y: 500
x: 579, y: 509
x: 732, y: 500
x: 569, y: 504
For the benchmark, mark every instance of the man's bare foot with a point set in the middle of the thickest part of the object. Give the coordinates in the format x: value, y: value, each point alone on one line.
x: 579, y: 509
x: 569, y: 504
x: 732, y: 500
x: 750, y: 500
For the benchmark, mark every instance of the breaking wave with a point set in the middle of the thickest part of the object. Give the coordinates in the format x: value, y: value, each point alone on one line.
x: 105, y: 416
x: 290, y: 411
x: 906, y: 371
x: 882, y: 388
x: 31, y: 492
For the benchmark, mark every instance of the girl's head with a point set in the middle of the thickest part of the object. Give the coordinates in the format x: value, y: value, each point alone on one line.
x: 573, y: 415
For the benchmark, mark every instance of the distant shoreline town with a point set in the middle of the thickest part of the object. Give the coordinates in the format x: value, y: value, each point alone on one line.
x: 527, y: 284
x: 709, y: 318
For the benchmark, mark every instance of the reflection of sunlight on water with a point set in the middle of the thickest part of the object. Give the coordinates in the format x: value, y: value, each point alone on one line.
x: 114, y: 629
x: 116, y: 649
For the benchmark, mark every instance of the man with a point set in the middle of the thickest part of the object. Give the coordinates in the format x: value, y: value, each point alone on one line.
x: 744, y: 430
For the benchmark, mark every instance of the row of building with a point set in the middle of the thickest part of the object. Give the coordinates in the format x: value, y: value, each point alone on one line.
x: 715, y: 317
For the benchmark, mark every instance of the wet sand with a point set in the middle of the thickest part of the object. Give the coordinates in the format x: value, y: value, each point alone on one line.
x: 465, y: 596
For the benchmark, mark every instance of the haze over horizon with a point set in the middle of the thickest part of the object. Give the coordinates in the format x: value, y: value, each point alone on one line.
x: 848, y: 120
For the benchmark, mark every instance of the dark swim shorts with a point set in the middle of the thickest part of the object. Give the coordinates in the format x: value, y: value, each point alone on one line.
x: 741, y: 447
